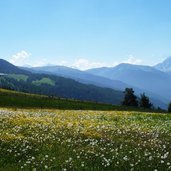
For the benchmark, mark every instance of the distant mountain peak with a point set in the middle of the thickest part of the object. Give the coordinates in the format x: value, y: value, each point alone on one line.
x: 167, y: 59
x: 165, y: 65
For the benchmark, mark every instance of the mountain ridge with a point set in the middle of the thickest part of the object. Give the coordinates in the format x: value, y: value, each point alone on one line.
x: 80, y: 76
x: 165, y: 65
x: 84, y: 77
x: 21, y: 80
x: 7, y: 67
x: 88, y: 78
x: 144, y: 77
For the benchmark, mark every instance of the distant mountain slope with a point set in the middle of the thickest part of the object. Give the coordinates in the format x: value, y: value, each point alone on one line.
x: 98, y: 80
x: 80, y: 76
x: 165, y: 65
x: 6, y: 67
x: 143, y: 77
x: 52, y: 85
x: 66, y: 88
x: 82, y: 88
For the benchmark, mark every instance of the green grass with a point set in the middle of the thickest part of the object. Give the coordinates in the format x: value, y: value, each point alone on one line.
x: 14, y: 99
x: 60, y: 140
x: 23, y: 100
x: 44, y: 81
x: 18, y: 77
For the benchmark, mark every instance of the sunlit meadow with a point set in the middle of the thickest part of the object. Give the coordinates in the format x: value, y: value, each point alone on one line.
x: 84, y: 140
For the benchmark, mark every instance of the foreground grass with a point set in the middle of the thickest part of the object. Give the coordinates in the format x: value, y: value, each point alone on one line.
x: 84, y: 140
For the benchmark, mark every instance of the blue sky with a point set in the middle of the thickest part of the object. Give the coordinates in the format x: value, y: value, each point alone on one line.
x: 85, y: 33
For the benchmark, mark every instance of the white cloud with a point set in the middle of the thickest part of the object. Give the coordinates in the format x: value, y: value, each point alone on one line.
x: 84, y: 64
x: 20, y: 58
x: 132, y: 60
x: 38, y: 63
x: 63, y: 63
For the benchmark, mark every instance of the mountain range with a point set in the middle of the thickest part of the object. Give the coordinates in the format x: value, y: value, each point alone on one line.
x: 155, y: 81
x: 18, y: 79
x: 144, y: 77
x: 80, y: 76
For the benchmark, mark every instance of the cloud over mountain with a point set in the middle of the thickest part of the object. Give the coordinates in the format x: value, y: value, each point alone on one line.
x: 20, y: 58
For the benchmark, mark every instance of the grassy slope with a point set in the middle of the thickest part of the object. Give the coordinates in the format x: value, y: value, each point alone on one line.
x: 15, y: 99
x: 44, y: 81
x: 22, y: 77
x: 18, y: 77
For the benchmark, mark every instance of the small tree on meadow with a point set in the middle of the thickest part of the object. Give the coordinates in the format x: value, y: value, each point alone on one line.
x: 169, y: 108
x: 145, y: 102
x: 130, y: 99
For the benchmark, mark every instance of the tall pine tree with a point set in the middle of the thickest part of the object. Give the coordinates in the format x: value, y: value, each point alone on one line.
x: 169, y: 108
x: 130, y: 99
x: 145, y: 102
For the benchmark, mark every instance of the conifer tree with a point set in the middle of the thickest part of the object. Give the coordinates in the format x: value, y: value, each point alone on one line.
x: 145, y: 102
x: 130, y: 99
x: 169, y: 108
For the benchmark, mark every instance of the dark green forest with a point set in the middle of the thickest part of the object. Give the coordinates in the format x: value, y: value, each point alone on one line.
x: 54, y: 86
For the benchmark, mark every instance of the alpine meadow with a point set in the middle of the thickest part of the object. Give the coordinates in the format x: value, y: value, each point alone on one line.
x: 85, y: 85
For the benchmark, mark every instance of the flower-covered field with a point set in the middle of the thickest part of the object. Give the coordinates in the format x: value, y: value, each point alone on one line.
x: 84, y: 140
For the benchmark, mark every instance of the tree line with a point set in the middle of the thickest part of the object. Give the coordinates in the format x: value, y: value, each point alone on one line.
x: 130, y: 99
